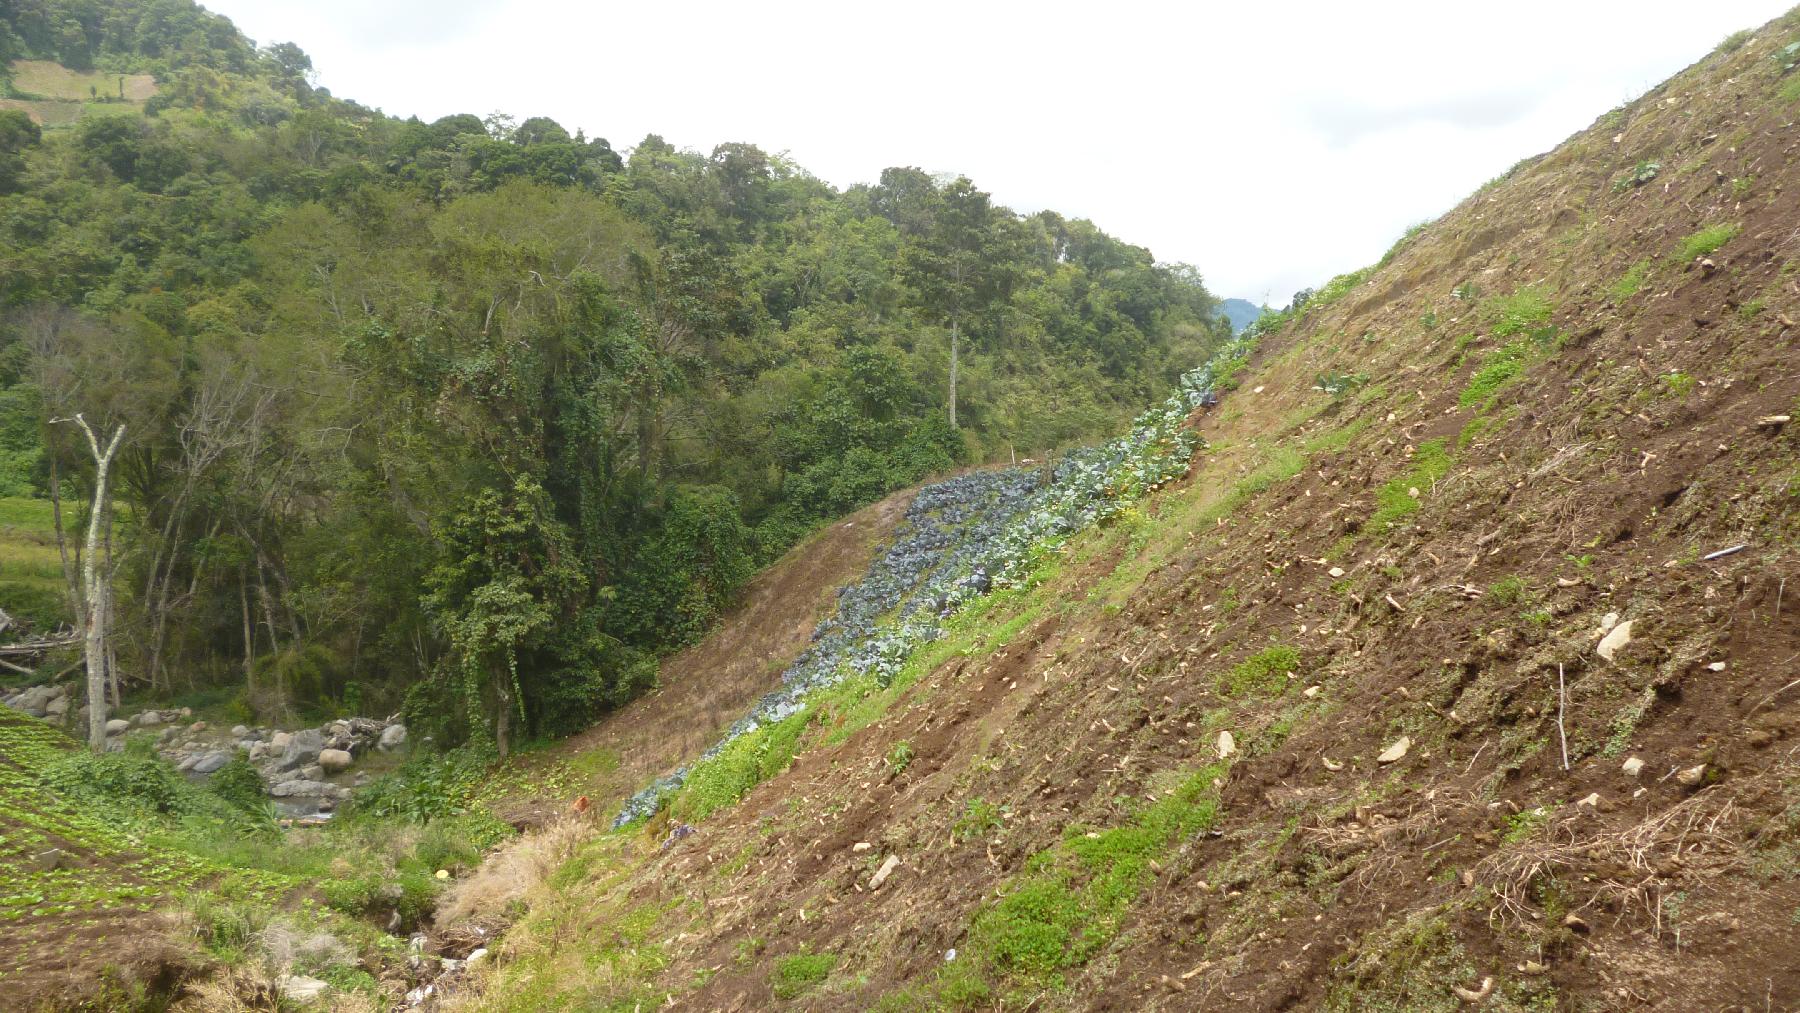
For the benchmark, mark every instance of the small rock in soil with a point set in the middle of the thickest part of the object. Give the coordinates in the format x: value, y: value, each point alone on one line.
x: 1395, y: 751
x: 1617, y: 638
x: 886, y: 870
x: 1633, y: 767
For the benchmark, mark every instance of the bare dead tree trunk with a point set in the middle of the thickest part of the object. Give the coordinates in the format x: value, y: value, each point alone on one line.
x: 93, y: 588
x: 62, y: 541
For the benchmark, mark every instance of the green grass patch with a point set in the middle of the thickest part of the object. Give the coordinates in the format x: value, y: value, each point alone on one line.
x: 1497, y: 370
x: 1707, y: 241
x: 744, y: 763
x: 1334, y: 441
x: 1073, y: 897
x: 1523, y: 312
x: 801, y: 973
x: 1631, y: 282
x: 1397, y: 500
x: 1262, y: 674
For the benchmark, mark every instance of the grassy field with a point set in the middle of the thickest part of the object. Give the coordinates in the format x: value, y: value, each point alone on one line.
x: 31, y: 577
x: 50, y: 80
x: 55, y: 96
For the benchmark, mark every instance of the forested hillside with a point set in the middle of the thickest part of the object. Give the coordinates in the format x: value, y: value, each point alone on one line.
x: 477, y: 417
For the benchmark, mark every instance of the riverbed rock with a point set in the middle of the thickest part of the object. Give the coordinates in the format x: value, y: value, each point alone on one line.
x: 312, y: 772
x: 392, y: 738
x: 58, y: 707
x: 334, y: 760
x: 148, y: 719
x: 34, y: 701
x: 304, y: 786
x: 302, y: 748
x: 212, y: 761
x: 279, y: 742
x: 240, y: 732
x: 118, y: 726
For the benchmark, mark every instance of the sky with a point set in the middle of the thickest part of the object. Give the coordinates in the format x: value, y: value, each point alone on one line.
x: 1270, y: 144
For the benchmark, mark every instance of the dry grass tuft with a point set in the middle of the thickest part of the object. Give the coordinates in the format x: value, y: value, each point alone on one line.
x: 510, y: 873
x: 1640, y: 859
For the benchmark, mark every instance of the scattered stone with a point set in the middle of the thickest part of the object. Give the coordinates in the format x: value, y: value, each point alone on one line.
x: 48, y: 861
x: 1617, y: 638
x: 57, y: 707
x: 118, y: 726
x: 1336, y: 571
x: 1474, y: 995
x: 861, y: 846
x: 279, y: 742
x: 1396, y: 751
x: 1575, y: 922
x: 1592, y: 801
x: 198, y: 726
x: 1717, y: 666
x: 240, y: 732
x: 443, y: 874
x: 392, y: 737
x: 187, y: 764
x: 1692, y: 776
x: 476, y: 956
x: 1227, y: 745
x: 1610, y: 620
x: 1312, y: 691
x: 313, y: 772
x: 148, y: 719
x: 886, y: 870
x: 334, y: 760
x: 1331, y: 764
x: 1633, y: 766
x: 300, y: 988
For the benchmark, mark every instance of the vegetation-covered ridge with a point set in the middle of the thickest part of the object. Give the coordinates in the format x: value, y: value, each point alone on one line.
x: 1458, y: 675
x: 475, y: 419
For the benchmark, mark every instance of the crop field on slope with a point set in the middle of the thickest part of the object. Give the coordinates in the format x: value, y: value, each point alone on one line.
x: 1436, y: 495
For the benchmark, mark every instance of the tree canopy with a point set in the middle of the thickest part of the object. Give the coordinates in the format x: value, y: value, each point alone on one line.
x: 478, y: 417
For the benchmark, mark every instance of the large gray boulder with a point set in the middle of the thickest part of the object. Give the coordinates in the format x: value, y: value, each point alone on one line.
x: 393, y: 737
x: 58, y: 707
x: 303, y: 787
x: 148, y: 719
x: 303, y: 747
x: 118, y: 726
x: 278, y: 742
x: 334, y: 760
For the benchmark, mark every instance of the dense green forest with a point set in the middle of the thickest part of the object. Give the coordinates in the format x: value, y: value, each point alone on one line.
x: 476, y: 417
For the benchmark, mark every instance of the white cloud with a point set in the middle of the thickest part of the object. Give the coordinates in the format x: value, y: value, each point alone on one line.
x: 1272, y: 147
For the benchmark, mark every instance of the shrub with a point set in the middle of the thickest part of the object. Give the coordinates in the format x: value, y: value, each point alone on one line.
x: 1642, y: 173
x: 239, y: 784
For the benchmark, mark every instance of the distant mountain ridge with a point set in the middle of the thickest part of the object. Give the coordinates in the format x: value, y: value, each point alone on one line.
x: 1241, y: 313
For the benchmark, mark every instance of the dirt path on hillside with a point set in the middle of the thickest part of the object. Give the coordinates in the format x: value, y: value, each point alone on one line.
x: 704, y: 688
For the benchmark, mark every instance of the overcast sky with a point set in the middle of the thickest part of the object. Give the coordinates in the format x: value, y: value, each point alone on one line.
x: 1271, y: 144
